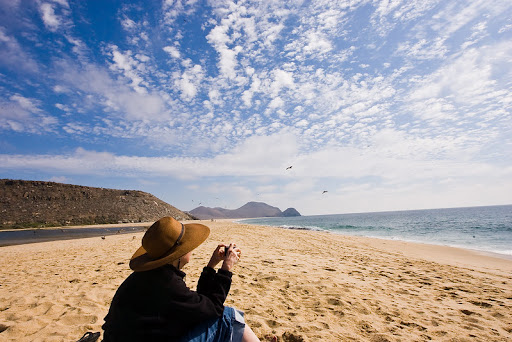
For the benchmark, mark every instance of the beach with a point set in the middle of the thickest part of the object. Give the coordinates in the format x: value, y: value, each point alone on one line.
x: 297, y: 285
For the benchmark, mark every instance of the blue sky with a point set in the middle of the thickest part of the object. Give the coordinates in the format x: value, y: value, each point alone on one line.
x: 385, y: 104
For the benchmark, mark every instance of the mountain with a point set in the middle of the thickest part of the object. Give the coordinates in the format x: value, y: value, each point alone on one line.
x: 248, y: 210
x: 44, y: 204
x: 290, y: 212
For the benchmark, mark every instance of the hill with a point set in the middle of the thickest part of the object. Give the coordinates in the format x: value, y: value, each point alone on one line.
x: 44, y: 204
x: 248, y: 210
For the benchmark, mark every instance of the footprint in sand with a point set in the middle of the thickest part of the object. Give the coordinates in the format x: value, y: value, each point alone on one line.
x: 334, y: 301
x: 481, y: 304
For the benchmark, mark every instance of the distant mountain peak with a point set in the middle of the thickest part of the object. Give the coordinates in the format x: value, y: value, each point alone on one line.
x: 248, y: 210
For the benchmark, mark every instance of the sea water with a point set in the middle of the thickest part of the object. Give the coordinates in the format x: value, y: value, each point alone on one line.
x: 486, y: 229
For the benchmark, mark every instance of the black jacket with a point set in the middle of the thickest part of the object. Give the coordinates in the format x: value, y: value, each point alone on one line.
x: 157, y: 305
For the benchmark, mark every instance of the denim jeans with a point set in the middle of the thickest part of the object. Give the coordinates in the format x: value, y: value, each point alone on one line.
x: 228, y: 328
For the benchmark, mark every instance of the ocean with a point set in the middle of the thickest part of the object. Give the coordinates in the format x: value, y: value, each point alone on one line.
x: 485, y: 229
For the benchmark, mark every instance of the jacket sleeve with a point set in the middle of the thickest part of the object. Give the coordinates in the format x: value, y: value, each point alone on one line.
x: 207, y: 302
x: 210, y: 280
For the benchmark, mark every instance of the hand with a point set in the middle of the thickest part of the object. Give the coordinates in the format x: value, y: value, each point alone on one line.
x: 217, y: 256
x: 232, y: 257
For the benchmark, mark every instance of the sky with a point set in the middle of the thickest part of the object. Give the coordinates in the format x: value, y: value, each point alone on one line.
x: 384, y: 104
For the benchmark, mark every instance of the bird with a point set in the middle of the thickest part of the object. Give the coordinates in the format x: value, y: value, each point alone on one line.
x: 324, y: 192
x: 289, y: 167
x: 103, y: 238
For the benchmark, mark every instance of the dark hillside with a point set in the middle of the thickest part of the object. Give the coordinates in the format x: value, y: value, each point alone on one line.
x: 44, y: 204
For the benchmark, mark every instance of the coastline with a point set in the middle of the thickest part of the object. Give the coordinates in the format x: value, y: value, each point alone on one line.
x: 295, y: 284
x: 10, y: 237
x: 113, y: 225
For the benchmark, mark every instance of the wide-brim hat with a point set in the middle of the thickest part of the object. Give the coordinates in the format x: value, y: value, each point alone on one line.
x: 165, y: 241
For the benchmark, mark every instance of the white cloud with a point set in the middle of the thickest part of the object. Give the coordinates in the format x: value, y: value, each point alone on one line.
x: 50, y: 19
x: 59, y: 179
x: 130, y: 67
x: 63, y: 3
x: 142, y: 58
x: 282, y: 79
x: 190, y: 81
x: 173, y: 51
x: 117, y: 98
x: 26, y: 103
x: 470, y: 80
x: 505, y: 28
x: 13, y: 55
x: 276, y: 102
x: 75, y: 128
x: 424, y: 49
x: 128, y: 24
x: 317, y: 43
x: 219, y: 39
x: 250, y: 158
x: 22, y: 114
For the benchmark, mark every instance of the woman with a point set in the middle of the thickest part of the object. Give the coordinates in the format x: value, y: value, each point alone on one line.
x: 154, y: 303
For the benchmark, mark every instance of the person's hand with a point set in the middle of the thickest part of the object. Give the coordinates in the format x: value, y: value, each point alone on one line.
x: 231, y: 258
x: 217, y: 256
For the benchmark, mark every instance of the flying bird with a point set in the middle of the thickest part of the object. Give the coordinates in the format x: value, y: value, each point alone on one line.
x: 289, y: 167
x: 324, y: 192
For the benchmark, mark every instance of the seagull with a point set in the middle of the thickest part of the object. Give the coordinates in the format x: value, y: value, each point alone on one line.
x: 289, y: 167
x: 103, y: 238
x: 324, y: 192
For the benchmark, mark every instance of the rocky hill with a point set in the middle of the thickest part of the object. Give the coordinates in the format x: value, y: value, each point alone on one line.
x: 43, y: 204
x: 290, y: 212
x: 248, y: 210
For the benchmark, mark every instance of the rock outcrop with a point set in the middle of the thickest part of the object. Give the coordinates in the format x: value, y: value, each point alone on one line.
x: 290, y: 212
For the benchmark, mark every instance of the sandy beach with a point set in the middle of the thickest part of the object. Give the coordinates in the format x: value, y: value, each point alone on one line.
x: 297, y: 285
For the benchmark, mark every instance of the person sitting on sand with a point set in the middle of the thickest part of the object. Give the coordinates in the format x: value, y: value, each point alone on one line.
x: 154, y: 303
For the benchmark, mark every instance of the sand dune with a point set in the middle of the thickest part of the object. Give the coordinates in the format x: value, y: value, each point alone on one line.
x: 297, y: 285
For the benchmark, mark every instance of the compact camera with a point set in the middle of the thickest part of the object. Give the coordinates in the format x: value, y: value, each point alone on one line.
x: 226, y: 248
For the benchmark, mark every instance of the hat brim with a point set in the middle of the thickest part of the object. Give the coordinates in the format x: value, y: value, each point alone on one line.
x: 194, y: 235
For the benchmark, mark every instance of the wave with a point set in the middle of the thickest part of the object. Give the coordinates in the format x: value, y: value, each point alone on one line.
x: 313, y: 228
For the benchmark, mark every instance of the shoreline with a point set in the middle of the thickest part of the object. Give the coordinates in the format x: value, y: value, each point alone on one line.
x: 451, y: 255
x: 297, y: 285
x: 235, y: 221
x: 113, y: 225
x: 474, y: 250
x: 13, y: 237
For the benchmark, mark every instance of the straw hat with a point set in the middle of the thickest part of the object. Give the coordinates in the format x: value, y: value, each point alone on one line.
x: 165, y: 241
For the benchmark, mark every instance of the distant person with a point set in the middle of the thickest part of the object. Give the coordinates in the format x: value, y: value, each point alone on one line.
x: 154, y: 303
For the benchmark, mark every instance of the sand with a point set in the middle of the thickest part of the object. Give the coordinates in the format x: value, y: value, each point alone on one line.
x: 296, y: 285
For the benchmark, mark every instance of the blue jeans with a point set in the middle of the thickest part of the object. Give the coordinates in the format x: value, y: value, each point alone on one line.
x: 228, y: 328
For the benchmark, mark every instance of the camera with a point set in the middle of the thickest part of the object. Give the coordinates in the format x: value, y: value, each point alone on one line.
x: 226, y: 249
